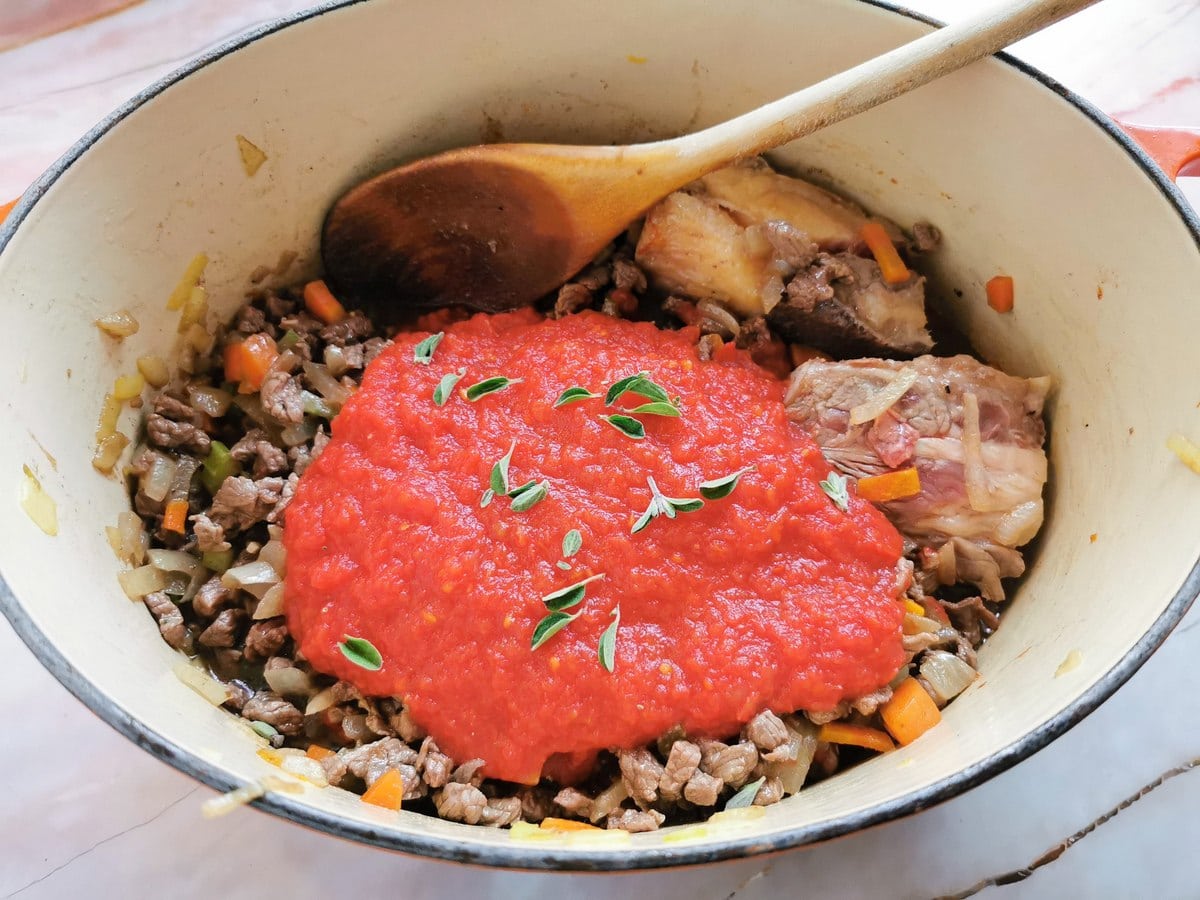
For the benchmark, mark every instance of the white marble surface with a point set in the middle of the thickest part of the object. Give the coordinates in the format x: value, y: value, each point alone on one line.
x: 85, y: 813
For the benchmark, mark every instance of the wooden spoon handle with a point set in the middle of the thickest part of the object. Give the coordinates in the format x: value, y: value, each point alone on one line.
x: 868, y: 84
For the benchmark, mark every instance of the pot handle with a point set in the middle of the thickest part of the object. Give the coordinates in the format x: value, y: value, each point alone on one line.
x: 1174, y: 149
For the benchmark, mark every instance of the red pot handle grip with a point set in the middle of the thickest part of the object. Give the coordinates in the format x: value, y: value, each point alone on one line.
x: 1174, y: 149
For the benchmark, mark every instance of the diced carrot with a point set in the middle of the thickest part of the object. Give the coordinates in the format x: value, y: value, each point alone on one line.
x: 317, y: 752
x: 322, y: 304
x: 274, y: 757
x: 387, y: 791
x: 6, y: 209
x: 855, y: 735
x: 914, y: 607
x: 248, y: 362
x: 550, y: 823
x: 1000, y: 293
x: 890, y: 485
x: 891, y: 266
x: 910, y: 713
x: 175, y: 516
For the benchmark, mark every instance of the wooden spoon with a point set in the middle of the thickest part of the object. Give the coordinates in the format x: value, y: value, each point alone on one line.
x: 498, y: 226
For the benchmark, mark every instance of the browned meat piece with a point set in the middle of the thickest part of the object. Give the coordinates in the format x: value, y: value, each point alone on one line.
x: 572, y: 297
x: 255, y: 448
x: 250, y: 320
x: 210, y: 537
x: 437, y: 768
x: 469, y: 772
x: 824, y: 717
x: 703, y: 789
x: 414, y: 785
x: 732, y: 764
x: 709, y: 345
x: 302, y: 323
x: 501, y: 811
x: 627, y: 276
x: 682, y: 762
x: 352, y: 329
x: 242, y: 502
x: 634, y: 820
x: 264, y: 638
x: 972, y: 618
x: 974, y: 434
x: 765, y: 348
x: 269, y: 707
x: 575, y: 802
x: 239, y: 695
x: 278, y: 307
x: 370, y: 761
x: 460, y: 803
x: 619, y: 304
x: 925, y: 238
x: 211, y: 597
x: 170, y: 621
x: 223, y: 631
x: 353, y: 356
x: 537, y: 803
x: 842, y: 305
x: 373, y: 348
x: 770, y: 792
x: 335, y: 768
x: 641, y: 772
x: 766, y: 731
x: 280, y: 396
x: 869, y: 704
x: 172, y: 435
x: 286, y: 493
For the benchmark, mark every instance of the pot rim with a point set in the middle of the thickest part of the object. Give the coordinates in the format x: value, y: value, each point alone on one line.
x: 538, y: 857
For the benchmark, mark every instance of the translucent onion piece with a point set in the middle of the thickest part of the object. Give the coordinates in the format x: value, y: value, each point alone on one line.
x: 335, y: 361
x: 1020, y: 524
x: 326, y: 385
x: 289, y: 681
x: 175, y: 561
x: 718, y: 314
x: 914, y: 624
x: 946, y: 675
x: 127, y: 387
x: 181, y: 483
x: 133, y: 540
x: 154, y: 370
x: 255, y: 577
x: 38, y: 505
x: 884, y: 398
x: 608, y: 800
x: 108, y: 451
x: 299, y: 433
x: 274, y: 554
x: 271, y: 604
x: 802, y: 735
x: 321, y: 701
x: 157, y: 480
x: 212, y: 691
x: 305, y: 767
x: 120, y: 324
x: 110, y: 412
x: 975, y: 474
x: 137, y: 583
x: 211, y: 400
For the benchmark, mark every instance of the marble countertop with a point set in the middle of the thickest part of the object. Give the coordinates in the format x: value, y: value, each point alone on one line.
x: 1108, y: 810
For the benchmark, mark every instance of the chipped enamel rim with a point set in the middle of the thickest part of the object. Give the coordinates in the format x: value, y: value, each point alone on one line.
x: 623, y: 858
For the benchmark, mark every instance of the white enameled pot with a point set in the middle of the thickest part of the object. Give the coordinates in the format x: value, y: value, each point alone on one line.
x: 1020, y: 176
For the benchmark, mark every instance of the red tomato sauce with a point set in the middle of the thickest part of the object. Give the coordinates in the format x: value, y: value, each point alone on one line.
x: 772, y: 598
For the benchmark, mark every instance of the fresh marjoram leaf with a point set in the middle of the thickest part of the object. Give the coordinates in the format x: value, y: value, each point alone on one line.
x: 745, y: 797
x: 835, y: 487
x: 423, y: 352
x: 574, y: 395
x: 550, y: 626
x: 361, y: 652
x: 607, y: 649
x: 719, y: 488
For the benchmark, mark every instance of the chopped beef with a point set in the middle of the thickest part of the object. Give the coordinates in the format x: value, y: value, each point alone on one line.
x: 250, y: 320
x: 210, y: 537
x: 223, y: 632
x: 172, y: 435
x: 370, y: 761
x: 353, y: 328
x: 170, y: 621
x: 731, y: 764
x: 572, y: 297
x: 635, y: 820
x: 437, y: 768
x: 469, y: 772
x: 536, y: 803
x: 264, y: 638
x: 241, y: 502
x: 277, y: 306
x: 575, y: 802
x: 628, y: 276
x: 771, y: 791
x: 766, y: 731
x: 500, y: 811
x: 269, y: 707
x: 682, y: 762
x: 925, y: 238
x: 302, y: 323
x: 460, y: 802
x: 254, y: 447
x: 281, y: 397
x: 703, y: 789
x: 869, y: 704
x: 286, y: 492
x: 641, y: 772
x: 211, y: 598
x: 972, y: 618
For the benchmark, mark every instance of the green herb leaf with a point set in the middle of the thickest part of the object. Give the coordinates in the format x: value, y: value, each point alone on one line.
x: 631, y: 428
x: 565, y: 566
x: 262, y: 729
x: 518, y: 491
x: 549, y: 627
x: 488, y: 496
x: 442, y: 392
x: 835, y: 487
x: 574, y: 395
x: 528, y: 498
x: 644, y: 387
x: 312, y: 405
x: 621, y: 387
x: 423, y: 352
x: 661, y: 505
x: 572, y: 541
x: 607, y: 649
x: 684, y: 505
x: 565, y: 598
x: 499, y: 479
x: 643, y: 521
x: 490, y: 386
x: 361, y: 652
x: 720, y: 488
x: 657, y: 408
x: 745, y: 797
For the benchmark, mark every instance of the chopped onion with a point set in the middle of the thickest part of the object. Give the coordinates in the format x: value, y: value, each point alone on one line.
x: 884, y: 398
x: 321, y: 701
x: 108, y: 452
x: 720, y: 316
x: 134, y: 539
x: 300, y: 433
x: 914, y: 624
x: 212, y: 691
x: 271, y: 605
x: 945, y: 675
x: 608, y: 800
x: 289, y: 681
x: 110, y: 413
x: 335, y: 361
x: 978, y: 485
x: 38, y: 505
x: 175, y: 561
x: 181, y: 483
x: 326, y: 385
x: 213, y: 401
x: 126, y: 387
x: 154, y: 370
x: 254, y: 577
x: 120, y: 324
x: 157, y: 480
x: 802, y: 734
x: 137, y: 583
x: 275, y: 555
x: 305, y: 767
